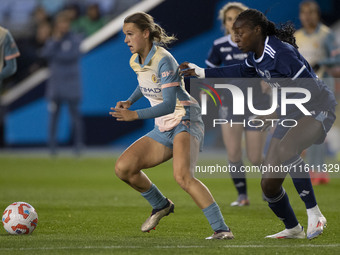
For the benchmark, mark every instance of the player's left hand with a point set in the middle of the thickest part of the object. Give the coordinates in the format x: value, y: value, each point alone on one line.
x: 122, y: 114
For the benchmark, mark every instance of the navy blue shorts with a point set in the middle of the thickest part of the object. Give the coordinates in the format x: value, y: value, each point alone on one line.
x: 194, y: 128
x: 326, y: 118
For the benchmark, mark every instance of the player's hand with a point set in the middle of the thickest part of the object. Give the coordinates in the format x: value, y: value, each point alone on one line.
x: 123, y: 104
x: 265, y: 87
x: 122, y: 114
x: 267, y: 119
x: 189, y: 69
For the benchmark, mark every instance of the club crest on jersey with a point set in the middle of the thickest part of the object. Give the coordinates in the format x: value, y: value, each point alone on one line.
x: 154, y: 78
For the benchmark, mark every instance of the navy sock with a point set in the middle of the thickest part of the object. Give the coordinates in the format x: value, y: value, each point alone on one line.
x: 155, y: 197
x: 239, y: 178
x: 215, y: 218
x: 301, y: 180
x: 281, y: 207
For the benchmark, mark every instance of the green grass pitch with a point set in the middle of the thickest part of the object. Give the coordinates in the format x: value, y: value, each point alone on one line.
x: 84, y: 208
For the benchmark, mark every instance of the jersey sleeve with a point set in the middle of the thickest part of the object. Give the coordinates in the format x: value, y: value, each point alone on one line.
x: 213, y: 59
x: 170, y: 80
x: 166, y: 107
x: 137, y: 94
x: 291, y: 65
x: 168, y: 72
x: 10, y: 48
x: 243, y: 70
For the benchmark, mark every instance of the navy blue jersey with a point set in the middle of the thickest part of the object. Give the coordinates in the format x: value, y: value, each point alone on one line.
x: 281, y: 65
x: 225, y: 52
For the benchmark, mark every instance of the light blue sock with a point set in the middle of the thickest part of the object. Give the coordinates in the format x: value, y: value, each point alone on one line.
x: 215, y: 218
x: 155, y: 197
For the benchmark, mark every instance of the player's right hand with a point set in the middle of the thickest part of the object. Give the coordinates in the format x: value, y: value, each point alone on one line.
x: 123, y: 104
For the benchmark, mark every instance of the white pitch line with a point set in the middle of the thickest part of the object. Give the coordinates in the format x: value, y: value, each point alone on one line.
x: 174, y: 247
x: 284, y: 246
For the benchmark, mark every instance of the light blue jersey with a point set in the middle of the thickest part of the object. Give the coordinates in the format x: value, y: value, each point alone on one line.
x: 160, y: 82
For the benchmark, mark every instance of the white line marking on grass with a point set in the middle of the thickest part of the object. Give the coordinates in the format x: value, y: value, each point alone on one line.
x: 117, y: 247
x: 284, y: 246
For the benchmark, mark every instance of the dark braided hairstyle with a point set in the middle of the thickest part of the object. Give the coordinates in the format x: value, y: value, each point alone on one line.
x: 256, y: 18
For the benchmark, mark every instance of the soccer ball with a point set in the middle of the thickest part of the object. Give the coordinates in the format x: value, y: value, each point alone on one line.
x: 20, y: 218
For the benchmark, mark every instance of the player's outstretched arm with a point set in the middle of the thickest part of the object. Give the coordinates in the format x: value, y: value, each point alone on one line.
x: 189, y: 69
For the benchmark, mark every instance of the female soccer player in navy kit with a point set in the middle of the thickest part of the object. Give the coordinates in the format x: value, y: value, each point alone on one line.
x: 225, y: 52
x: 178, y: 131
x: 273, y: 54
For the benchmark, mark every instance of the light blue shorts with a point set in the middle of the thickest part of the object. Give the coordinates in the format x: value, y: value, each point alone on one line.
x: 194, y: 128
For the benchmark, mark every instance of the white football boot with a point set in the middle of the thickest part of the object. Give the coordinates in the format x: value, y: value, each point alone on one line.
x: 292, y: 233
x: 316, y: 225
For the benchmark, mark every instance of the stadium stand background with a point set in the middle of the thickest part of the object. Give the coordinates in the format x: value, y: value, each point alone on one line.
x: 108, y: 78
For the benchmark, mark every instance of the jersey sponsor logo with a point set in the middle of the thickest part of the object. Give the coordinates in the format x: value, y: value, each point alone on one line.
x: 228, y: 57
x: 226, y: 49
x: 150, y: 90
x: 240, y: 56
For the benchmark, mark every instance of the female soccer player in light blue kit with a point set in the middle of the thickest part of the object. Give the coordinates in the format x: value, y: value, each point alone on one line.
x: 273, y: 55
x: 178, y: 131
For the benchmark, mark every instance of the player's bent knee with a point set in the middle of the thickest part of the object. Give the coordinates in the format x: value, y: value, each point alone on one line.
x: 122, y: 170
x: 118, y: 171
x: 183, y: 181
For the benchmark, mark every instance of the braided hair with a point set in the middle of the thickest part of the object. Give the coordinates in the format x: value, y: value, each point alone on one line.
x: 285, y: 32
